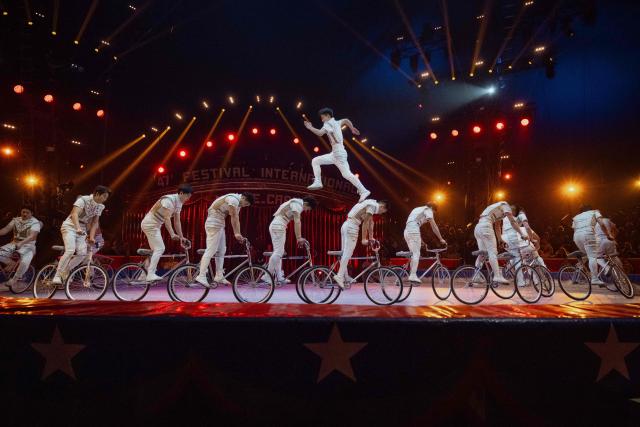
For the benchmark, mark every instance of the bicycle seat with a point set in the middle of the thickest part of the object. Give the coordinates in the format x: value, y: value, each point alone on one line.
x: 576, y: 254
x: 436, y: 251
x: 200, y: 251
x: 144, y: 252
x: 334, y: 253
x: 480, y: 253
x: 58, y: 248
x: 404, y: 254
x: 505, y: 255
x: 269, y: 253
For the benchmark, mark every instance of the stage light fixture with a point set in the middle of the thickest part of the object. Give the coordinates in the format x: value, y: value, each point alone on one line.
x: 209, y: 144
x: 500, y: 125
x: 100, y: 113
x: 182, y: 154
x: 258, y: 99
x: 272, y: 131
x: 439, y: 196
x: 433, y: 135
x: 500, y: 195
x: 271, y: 99
x: 7, y: 151
x: 296, y: 140
x: 18, y: 89
x: 316, y: 149
x: 31, y: 180
x: 525, y: 122
x: 455, y: 132
x: 254, y: 131
x: 154, y: 129
x: 231, y: 100
x: 231, y: 137
x: 477, y: 129
x: 299, y: 105
x: 507, y: 176
x: 178, y: 116
x: 491, y: 90
x: 205, y: 104
x: 48, y: 98
x: 161, y: 169
x: 77, y: 106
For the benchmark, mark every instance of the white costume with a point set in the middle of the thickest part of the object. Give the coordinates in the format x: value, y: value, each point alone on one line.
x: 152, y: 227
x: 486, y: 238
x: 75, y: 243
x: 215, y: 228
x: 338, y: 157
x: 278, y: 232
x: 607, y: 247
x: 416, y: 219
x: 516, y: 244
x: 585, y: 238
x: 21, y: 230
x: 349, y: 231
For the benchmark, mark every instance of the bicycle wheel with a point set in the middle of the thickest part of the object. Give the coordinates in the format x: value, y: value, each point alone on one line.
x: 110, y: 271
x: 528, y: 284
x: 469, y: 285
x: 441, y: 282
x: 621, y: 281
x: 318, y: 286
x: 129, y: 282
x: 299, y: 284
x: 253, y: 284
x: 407, y: 286
x: 383, y: 286
x: 183, y: 287
x: 87, y: 282
x: 574, y: 282
x: 21, y: 285
x: 548, y: 283
x: 506, y: 290
x: 43, y: 286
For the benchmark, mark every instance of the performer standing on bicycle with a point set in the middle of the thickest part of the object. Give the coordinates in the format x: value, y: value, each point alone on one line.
x: 287, y: 211
x: 361, y: 213
x: 416, y: 219
x: 338, y: 156
x: 488, y: 230
x: 168, y: 207
x: 586, y: 239
x: 25, y: 230
x: 223, y: 206
x: 84, y: 216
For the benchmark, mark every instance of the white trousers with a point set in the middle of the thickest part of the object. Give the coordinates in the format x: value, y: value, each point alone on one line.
x: 216, y: 247
x: 588, y: 243
x: 414, y: 242
x: 349, y: 238
x: 278, y: 234
x: 486, y: 239
x: 74, y: 243
x: 26, y: 255
x: 153, y: 231
x: 340, y: 160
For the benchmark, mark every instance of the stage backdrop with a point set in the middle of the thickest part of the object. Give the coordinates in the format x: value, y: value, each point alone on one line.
x: 271, y: 186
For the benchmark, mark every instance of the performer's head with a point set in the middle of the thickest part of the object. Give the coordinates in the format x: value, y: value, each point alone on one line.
x: 585, y: 208
x: 26, y: 212
x: 185, y: 191
x: 433, y: 206
x: 383, y: 206
x: 247, y: 200
x: 101, y: 193
x: 516, y: 209
x: 309, y: 203
x: 325, y: 114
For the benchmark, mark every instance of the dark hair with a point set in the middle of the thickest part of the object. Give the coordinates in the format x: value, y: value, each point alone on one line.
x: 516, y: 209
x: 386, y: 203
x: 433, y: 206
x: 325, y: 110
x: 310, y: 201
x: 101, y: 189
x: 585, y: 208
x: 185, y: 188
x: 27, y: 207
x: 250, y: 197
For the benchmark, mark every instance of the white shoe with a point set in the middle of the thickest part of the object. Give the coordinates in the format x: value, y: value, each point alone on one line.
x: 57, y: 280
x: 315, y: 186
x: 153, y: 278
x: 414, y: 279
x: 221, y: 280
x: 364, y: 195
x: 284, y: 281
x: 597, y: 282
x: 202, y: 280
x: 501, y: 280
x: 339, y: 281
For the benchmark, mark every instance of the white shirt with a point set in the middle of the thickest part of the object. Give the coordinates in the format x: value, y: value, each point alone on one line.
x: 419, y: 216
x: 23, y: 228
x: 334, y: 131
x: 508, y: 231
x: 219, y: 209
x: 495, y: 212
x: 89, y: 209
x: 586, y: 221
x: 286, y: 210
x: 600, y: 232
x: 171, y: 202
x: 358, y: 212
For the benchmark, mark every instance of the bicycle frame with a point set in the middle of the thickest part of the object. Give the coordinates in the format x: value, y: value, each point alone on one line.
x: 433, y: 266
x: 248, y: 260
x: 375, y: 264
x: 308, y: 262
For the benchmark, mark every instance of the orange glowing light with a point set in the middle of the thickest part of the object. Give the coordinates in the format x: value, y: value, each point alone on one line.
x: 48, y: 98
x: 455, y: 132
x: 316, y: 149
x: 77, y: 106
x: 100, y: 113
x: 477, y: 129
x: 18, y: 89
x: 209, y: 144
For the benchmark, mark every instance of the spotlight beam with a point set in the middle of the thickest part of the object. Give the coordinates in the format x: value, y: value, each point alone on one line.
x: 232, y: 148
x: 535, y: 35
x: 293, y: 132
x: 482, y: 30
x: 394, y: 171
x: 105, y: 161
x: 87, y: 19
x: 202, y: 146
x: 120, y: 179
x: 126, y: 22
x: 407, y: 25
x: 509, y: 36
x: 445, y: 13
x: 404, y: 165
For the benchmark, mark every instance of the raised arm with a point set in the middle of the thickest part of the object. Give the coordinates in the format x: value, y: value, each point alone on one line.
x: 318, y: 132
x: 350, y: 125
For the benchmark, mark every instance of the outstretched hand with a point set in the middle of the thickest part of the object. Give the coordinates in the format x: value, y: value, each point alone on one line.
x: 355, y: 131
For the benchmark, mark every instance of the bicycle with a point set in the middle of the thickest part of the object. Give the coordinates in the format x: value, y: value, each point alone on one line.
x: 43, y: 286
x: 440, y: 279
x: 382, y: 285
x: 130, y: 281
x: 105, y: 262
x: 252, y: 283
x: 301, y: 269
x: 88, y: 279
x: 575, y: 279
x: 470, y: 285
x: 526, y: 257
x: 8, y: 271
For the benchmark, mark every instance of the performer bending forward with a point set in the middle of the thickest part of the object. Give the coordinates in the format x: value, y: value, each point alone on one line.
x: 166, y: 208
x: 25, y: 230
x: 417, y: 217
x: 287, y: 211
x: 361, y: 213
x: 223, y: 206
x: 587, y: 240
x: 338, y: 156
